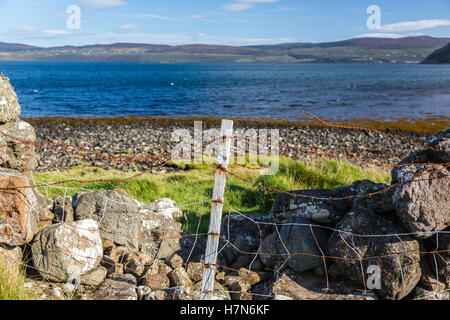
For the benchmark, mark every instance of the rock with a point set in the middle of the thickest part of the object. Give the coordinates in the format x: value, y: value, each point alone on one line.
x: 248, y: 276
x: 440, y: 141
x: 421, y: 293
x: 116, y: 213
x: 219, y: 293
x: 94, y: 277
x: 179, y: 277
x: 142, y: 291
x: 378, y: 202
x: 195, y: 271
x: 160, y: 233
x: 63, y: 209
x: 155, y: 281
x: 9, y: 105
x: 176, y: 261
x: 18, y: 217
x: 287, y: 207
x: 243, y: 233
x: 115, y: 289
x: 192, y: 248
x: 302, y: 252
x: 17, y: 146
x: 400, y: 271
x: 165, y: 207
x: 113, y: 268
x: 242, y: 261
x: 44, y: 207
x: 404, y: 173
x: 65, y: 250
x: 135, y: 262
x: 269, y: 251
x: 10, y: 255
x: 423, y: 204
x: 287, y: 289
x: 178, y: 293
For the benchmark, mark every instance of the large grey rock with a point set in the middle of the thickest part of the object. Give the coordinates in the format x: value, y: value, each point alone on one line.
x: 115, y: 211
x: 302, y: 245
x: 441, y: 147
x: 321, y: 211
x: 269, y: 252
x: 423, y: 204
x: 63, y: 251
x: 9, y: 106
x: 18, y: 209
x: 361, y: 239
x: 160, y: 234
x: 17, y: 146
x: 321, y: 205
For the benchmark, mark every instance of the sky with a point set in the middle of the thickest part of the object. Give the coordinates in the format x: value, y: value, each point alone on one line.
x: 228, y: 22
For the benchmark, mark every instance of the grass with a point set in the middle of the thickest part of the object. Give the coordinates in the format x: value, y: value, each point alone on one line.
x: 195, y: 183
x: 12, y: 280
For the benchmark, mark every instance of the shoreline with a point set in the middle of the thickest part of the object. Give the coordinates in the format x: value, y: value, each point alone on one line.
x: 420, y: 126
x: 78, y: 141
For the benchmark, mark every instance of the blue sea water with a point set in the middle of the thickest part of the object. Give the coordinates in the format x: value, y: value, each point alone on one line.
x: 250, y: 90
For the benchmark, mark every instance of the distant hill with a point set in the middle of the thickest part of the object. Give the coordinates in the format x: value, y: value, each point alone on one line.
x: 11, y: 47
x: 440, y: 56
x: 359, y: 50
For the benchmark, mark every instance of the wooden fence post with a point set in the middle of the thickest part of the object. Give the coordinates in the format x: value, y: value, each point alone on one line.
x: 215, y: 220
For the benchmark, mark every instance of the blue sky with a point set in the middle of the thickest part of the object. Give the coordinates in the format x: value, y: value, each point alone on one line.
x: 230, y: 22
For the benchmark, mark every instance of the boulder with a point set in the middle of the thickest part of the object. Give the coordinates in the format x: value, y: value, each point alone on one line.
x: 17, y: 146
x: 160, y: 234
x: 179, y: 277
x: 423, y: 204
x: 404, y: 173
x: 361, y: 239
x: 62, y: 209
x: 44, y: 209
x: 286, y: 207
x: 300, y: 246
x: 62, y: 251
x: 287, y: 289
x: 18, y: 217
x: 10, y: 255
x: 94, y: 277
x: 116, y: 213
x: 441, y: 143
x: 115, y: 289
x: 269, y: 252
x: 155, y: 281
x: 195, y: 270
x: 165, y: 207
x: 323, y: 206
x: 9, y: 105
x: 245, y: 235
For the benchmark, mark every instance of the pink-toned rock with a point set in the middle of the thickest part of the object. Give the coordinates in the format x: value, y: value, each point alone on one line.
x: 18, y: 217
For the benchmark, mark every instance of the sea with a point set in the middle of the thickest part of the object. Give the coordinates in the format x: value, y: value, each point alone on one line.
x: 234, y: 90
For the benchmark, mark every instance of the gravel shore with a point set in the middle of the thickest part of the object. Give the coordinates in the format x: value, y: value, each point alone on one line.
x: 108, y: 144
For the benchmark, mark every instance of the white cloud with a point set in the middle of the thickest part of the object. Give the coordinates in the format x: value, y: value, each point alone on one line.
x: 241, y: 5
x: 382, y: 35
x: 56, y: 32
x: 197, y: 16
x: 101, y: 4
x: 129, y: 27
x: 414, y: 25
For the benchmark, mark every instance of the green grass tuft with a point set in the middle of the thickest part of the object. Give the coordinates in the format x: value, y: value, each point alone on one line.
x: 195, y: 183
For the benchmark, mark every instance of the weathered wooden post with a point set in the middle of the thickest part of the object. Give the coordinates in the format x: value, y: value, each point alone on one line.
x: 223, y: 158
